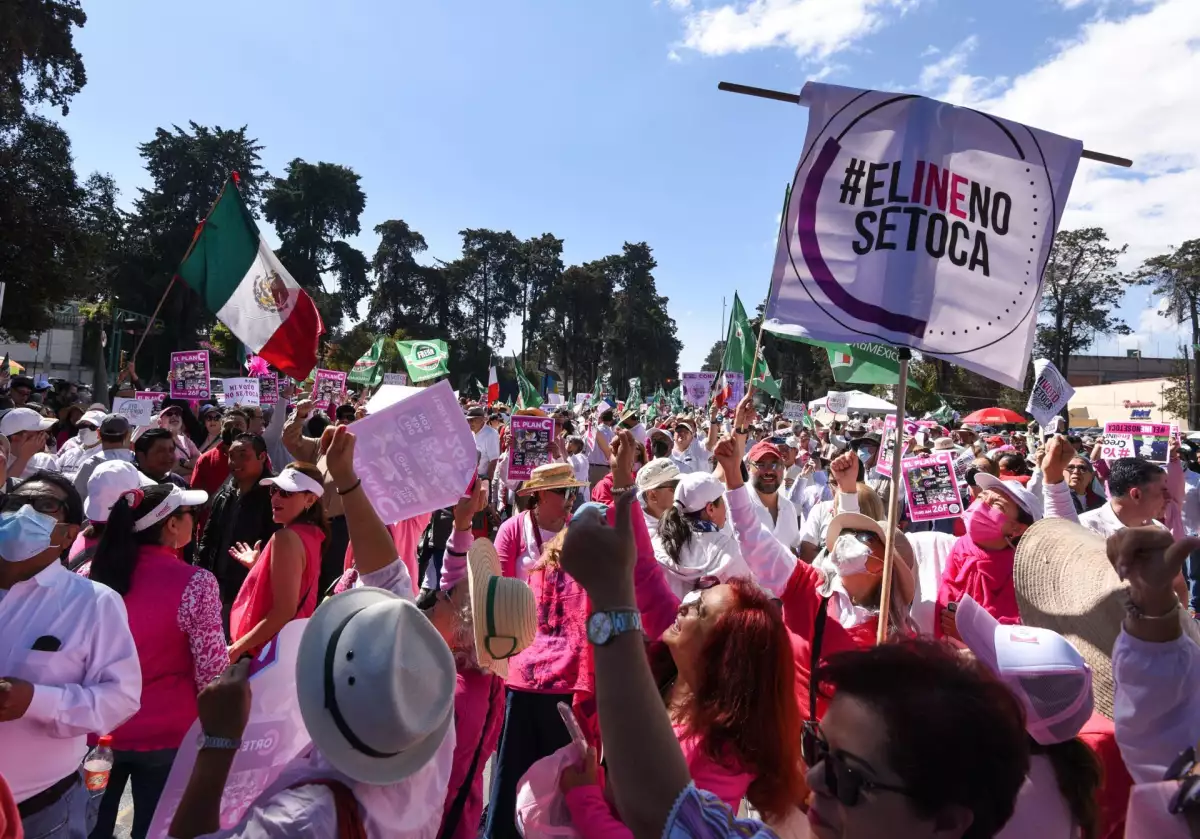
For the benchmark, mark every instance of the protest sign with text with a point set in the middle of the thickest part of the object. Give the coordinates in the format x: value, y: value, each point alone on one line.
x: 268, y: 388
x: 737, y: 386
x: 697, y: 387
x: 1050, y: 393
x: 242, y: 391
x: 795, y: 411
x: 395, y: 378
x: 932, y: 487
x: 139, y: 412
x: 883, y: 463
x: 531, y: 438
x: 583, y: 399
x: 329, y: 386
x: 190, y: 375
x: 916, y: 223
x: 154, y: 397
x: 1150, y: 440
x: 416, y: 455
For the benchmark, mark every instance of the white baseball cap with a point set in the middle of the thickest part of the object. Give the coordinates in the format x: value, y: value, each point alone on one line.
x: 1043, y: 669
x: 92, y: 418
x: 293, y: 480
x: 24, y: 419
x: 697, y: 490
x: 1022, y: 497
x: 661, y: 470
x: 111, y: 480
x: 178, y: 498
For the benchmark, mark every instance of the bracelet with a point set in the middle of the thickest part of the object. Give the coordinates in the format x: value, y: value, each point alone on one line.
x: 357, y: 484
x: 743, y: 431
x: 1135, y: 612
x: 455, y: 553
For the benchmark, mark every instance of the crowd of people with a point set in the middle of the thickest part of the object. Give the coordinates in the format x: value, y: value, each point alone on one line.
x: 670, y: 628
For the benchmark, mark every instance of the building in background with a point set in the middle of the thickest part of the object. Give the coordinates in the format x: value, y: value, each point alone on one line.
x: 1141, y: 399
x: 55, y: 353
x: 1105, y: 369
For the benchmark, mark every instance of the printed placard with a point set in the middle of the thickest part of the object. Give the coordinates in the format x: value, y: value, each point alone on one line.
x: 190, y: 375
x: 583, y: 399
x: 395, y: 378
x: 329, y: 386
x: 1050, y: 393
x: 268, y: 389
x: 737, y: 387
x: 154, y: 397
x: 530, y: 448
x: 1116, y: 446
x: 416, y: 455
x: 275, y: 735
x: 932, y: 487
x: 697, y: 387
x: 837, y: 402
x: 883, y: 463
x: 793, y: 411
x: 139, y: 412
x: 1151, y: 440
x: 242, y: 392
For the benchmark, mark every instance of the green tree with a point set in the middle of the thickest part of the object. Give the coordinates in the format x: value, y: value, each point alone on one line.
x: 571, y: 320
x: 639, y: 337
x: 1082, y: 288
x: 1176, y: 276
x: 539, y: 270
x: 38, y: 59
x: 715, y: 355
x: 313, y: 209
x: 490, y: 260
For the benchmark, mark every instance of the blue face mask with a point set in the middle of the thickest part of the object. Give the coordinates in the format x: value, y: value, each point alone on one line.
x: 24, y: 534
x: 864, y: 454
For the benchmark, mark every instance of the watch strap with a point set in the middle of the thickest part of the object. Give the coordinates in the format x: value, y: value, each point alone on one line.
x: 622, y: 621
x: 209, y: 742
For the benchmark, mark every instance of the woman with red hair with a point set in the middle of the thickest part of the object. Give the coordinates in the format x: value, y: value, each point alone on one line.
x: 726, y: 674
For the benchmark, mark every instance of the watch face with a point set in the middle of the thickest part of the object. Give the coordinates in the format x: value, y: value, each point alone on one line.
x: 599, y: 628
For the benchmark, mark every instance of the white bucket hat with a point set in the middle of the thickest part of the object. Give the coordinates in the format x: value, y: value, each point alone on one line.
x: 503, y: 610
x: 293, y: 480
x: 375, y: 682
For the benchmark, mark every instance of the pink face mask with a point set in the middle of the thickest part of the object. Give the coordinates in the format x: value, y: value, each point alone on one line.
x: 985, y: 523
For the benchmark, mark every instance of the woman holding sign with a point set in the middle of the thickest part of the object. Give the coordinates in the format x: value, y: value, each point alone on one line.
x: 282, y: 584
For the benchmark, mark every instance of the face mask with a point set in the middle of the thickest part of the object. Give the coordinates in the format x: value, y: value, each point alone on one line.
x: 88, y: 437
x: 24, y: 534
x: 850, y: 555
x: 985, y: 523
x: 864, y: 454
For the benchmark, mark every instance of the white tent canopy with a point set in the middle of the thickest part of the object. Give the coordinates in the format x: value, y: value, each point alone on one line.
x: 858, y: 403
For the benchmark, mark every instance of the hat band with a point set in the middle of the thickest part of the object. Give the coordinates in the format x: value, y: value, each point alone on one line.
x: 331, y: 704
x: 491, y: 624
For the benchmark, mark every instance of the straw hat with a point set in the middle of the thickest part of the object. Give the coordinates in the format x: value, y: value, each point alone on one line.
x: 531, y: 412
x: 503, y: 610
x: 1065, y: 582
x: 858, y: 521
x: 551, y: 476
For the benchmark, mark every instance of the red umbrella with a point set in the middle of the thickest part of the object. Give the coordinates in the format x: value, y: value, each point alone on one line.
x: 994, y: 416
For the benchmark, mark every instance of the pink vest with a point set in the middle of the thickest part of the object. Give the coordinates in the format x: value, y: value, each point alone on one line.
x: 168, y: 672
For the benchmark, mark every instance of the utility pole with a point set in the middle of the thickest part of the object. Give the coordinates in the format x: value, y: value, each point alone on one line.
x: 721, y: 337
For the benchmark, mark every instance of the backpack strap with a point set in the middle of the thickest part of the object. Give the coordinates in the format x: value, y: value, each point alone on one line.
x: 349, y: 817
x: 815, y: 657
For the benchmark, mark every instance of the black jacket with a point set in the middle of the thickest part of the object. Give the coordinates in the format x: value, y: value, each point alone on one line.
x: 234, y: 518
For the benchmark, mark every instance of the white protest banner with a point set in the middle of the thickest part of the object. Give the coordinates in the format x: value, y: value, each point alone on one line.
x: 139, y: 412
x: 1116, y: 446
x: 1050, y: 393
x: 554, y: 399
x: 919, y: 224
x: 416, y: 455
x: 395, y: 378
x: 932, y: 487
x: 697, y: 387
x: 275, y: 735
x: 243, y: 392
x: 794, y: 411
x: 583, y: 399
x: 1150, y: 440
x: 836, y: 402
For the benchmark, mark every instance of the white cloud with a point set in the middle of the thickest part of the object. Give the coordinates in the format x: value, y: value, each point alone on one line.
x: 1126, y: 87
x: 812, y: 28
x: 1154, y: 333
x: 948, y: 67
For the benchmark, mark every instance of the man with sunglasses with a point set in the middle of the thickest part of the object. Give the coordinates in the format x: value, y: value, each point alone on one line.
x: 767, y: 464
x: 68, y: 664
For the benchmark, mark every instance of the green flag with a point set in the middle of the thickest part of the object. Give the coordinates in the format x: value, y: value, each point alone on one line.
x: 601, y: 389
x: 635, y: 393
x: 859, y: 363
x: 367, y: 370
x: 739, y: 351
x: 479, y: 388
x: 425, y: 360
x: 944, y: 412
x: 805, y: 417
x: 529, y: 396
x: 677, y: 400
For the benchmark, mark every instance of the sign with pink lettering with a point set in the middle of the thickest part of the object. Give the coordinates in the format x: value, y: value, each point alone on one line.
x: 530, y: 448
x: 190, y: 375
x: 329, y: 388
x: 1151, y: 440
x: 932, y: 487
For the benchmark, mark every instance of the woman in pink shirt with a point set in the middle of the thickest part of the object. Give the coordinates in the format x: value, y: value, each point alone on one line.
x: 283, y: 579
x: 175, y: 617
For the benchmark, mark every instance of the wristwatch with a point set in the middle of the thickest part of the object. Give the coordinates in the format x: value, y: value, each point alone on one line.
x: 206, y: 741
x: 603, y: 627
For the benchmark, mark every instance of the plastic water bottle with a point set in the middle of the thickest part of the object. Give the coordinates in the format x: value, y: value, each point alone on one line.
x: 98, y: 765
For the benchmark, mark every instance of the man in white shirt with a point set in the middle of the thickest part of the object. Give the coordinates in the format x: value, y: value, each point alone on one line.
x: 689, y: 455
x: 774, y: 510
x: 598, y: 465
x: 115, y: 432
x: 68, y: 665
x: 83, y: 445
x: 656, y: 482
x: 1138, y: 495
x: 631, y: 422
x: 487, y: 440
x: 26, y: 431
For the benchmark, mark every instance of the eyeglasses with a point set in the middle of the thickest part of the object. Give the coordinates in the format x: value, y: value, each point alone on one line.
x: 768, y: 465
x: 1078, y: 469
x: 283, y: 493
x: 45, y: 504
x: 844, y: 782
x: 565, y: 492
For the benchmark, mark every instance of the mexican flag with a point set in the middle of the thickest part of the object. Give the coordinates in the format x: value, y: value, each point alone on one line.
x: 240, y: 279
x: 425, y: 360
x: 367, y: 370
x: 493, y: 388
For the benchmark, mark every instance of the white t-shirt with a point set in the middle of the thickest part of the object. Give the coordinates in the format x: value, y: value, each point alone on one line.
x: 786, y: 526
x: 695, y: 459
x: 487, y: 443
x: 579, y: 466
x: 816, y: 523
x: 1104, y: 521
x: 596, y: 457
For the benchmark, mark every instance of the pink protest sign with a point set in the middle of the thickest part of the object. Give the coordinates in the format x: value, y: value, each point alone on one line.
x: 275, y: 735
x: 416, y: 455
x: 883, y: 464
x: 1151, y: 440
x: 268, y: 386
x: 932, y: 487
x: 154, y: 397
x: 189, y: 375
x: 531, y: 438
x: 329, y: 387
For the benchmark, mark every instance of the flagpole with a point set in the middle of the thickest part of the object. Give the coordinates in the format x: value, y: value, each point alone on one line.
x: 889, y: 544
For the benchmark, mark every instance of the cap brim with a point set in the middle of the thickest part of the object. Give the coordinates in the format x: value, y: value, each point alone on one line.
x: 288, y: 483
x: 977, y: 628
x: 310, y: 691
x: 193, y: 497
x: 985, y: 480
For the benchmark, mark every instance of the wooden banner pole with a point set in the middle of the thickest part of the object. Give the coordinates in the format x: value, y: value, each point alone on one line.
x: 885, y: 594
x: 794, y: 99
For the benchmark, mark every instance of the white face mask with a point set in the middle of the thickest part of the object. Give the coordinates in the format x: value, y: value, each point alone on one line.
x: 850, y: 555
x: 88, y: 437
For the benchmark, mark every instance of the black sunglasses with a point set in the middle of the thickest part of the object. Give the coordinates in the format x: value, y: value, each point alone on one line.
x: 565, y: 492
x: 282, y: 493
x: 45, y: 504
x: 843, y: 781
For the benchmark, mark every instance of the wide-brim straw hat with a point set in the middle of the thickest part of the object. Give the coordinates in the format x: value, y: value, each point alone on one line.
x: 551, y: 476
x: 531, y: 412
x: 1065, y: 582
x: 503, y: 610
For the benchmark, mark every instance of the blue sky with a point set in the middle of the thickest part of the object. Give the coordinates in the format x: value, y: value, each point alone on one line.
x: 600, y: 121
